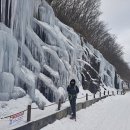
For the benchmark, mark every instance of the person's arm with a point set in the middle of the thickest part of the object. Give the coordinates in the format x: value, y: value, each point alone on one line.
x: 77, y: 90
x: 68, y: 90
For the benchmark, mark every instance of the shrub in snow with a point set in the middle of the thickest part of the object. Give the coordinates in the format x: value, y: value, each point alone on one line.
x: 18, y: 93
x: 40, y: 100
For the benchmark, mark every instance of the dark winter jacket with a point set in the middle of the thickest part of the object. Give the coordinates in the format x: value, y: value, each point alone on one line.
x: 72, y: 91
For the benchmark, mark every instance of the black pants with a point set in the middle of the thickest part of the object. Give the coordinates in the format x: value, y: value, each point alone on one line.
x: 73, y: 106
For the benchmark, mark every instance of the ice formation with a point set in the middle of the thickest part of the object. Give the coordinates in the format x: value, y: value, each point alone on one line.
x: 17, y: 92
x: 37, y: 51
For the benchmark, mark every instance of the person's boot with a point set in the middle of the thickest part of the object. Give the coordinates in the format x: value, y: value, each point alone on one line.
x: 72, y: 117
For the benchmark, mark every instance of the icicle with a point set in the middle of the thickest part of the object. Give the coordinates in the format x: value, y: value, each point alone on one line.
x: 0, y: 10
x: 13, y: 10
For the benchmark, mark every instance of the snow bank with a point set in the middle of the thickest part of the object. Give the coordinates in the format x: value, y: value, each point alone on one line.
x: 14, y: 106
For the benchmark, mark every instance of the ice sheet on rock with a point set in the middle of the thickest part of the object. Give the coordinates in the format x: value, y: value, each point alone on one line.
x: 90, y: 47
x: 49, y: 83
x: 58, y: 39
x: 69, y: 34
x: 72, y: 46
x: 40, y: 100
x: 6, y: 85
x: 17, y: 93
x: 84, y: 62
x: 51, y: 71
x: 30, y: 58
x: 46, y: 13
x: 36, y: 6
x: 54, y: 54
x: 27, y: 76
x: 21, y: 17
x: 32, y: 38
x: 5, y: 28
x: 106, y: 69
x: 8, y: 52
x: 6, y: 82
x: 65, y: 44
x: 54, y: 37
x: 56, y: 64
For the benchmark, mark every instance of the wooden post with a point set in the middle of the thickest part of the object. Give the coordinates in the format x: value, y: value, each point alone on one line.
x: 113, y: 93
x: 29, y: 113
x: 104, y: 93
x: 59, y: 104
x: 0, y: 11
x: 117, y: 92
x: 108, y: 93
x: 94, y: 95
x: 86, y: 96
x: 100, y: 94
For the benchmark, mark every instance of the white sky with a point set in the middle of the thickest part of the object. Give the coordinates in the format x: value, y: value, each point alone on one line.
x: 116, y: 14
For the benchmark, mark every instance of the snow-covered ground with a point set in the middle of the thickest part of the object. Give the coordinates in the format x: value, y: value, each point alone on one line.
x: 8, y: 108
x: 112, y: 113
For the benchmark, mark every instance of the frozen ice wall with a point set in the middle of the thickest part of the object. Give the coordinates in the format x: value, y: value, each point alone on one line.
x: 106, y: 71
x: 37, y: 51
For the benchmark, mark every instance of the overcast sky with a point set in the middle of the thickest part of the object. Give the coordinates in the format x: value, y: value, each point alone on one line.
x: 116, y: 14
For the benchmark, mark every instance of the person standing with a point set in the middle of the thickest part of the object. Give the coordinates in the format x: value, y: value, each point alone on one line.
x: 72, y: 90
